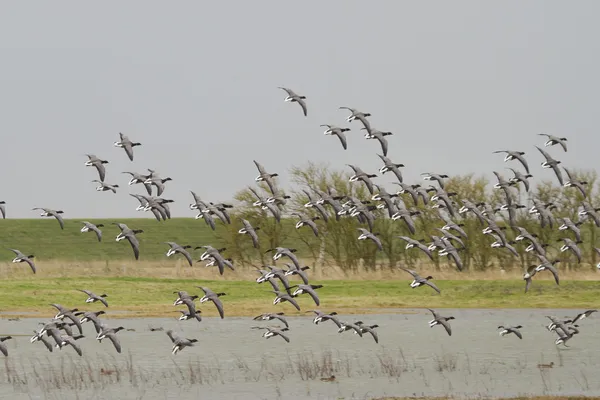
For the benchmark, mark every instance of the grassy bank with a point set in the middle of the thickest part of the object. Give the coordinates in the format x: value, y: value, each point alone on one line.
x: 44, y: 238
x: 154, y: 296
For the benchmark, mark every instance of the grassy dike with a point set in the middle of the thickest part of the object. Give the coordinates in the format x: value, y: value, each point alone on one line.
x: 69, y: 260
x: 154, y: 296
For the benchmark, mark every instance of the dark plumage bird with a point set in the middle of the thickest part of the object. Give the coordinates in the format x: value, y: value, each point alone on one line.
x: 337, y: 131
x: 295, y: 98
x: 47, y: 212
x: 127, y: 145
x: 94, y: 161
x: 553, y: 140
x: 92, y: 298
x: 420, y: 281
x: 129, y: 234
x: 510, y: 329
x: 515, y: 155
x: 20, y: 257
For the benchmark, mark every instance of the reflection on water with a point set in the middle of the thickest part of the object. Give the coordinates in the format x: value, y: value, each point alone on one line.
x: 230, y: 360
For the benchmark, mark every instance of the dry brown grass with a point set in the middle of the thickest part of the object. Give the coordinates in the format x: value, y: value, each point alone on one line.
x: 178, y: 269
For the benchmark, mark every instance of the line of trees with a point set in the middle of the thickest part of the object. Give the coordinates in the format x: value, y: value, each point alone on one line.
x: 337, y: 242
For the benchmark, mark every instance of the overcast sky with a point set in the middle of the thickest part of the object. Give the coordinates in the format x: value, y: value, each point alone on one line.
x: 196, y: 83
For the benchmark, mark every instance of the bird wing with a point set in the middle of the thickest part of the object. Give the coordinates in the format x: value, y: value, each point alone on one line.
x: 342, y: 138
x: 115, y: 341
x: 129, y: 150
x: 446, y: 326
x: 558, y: 173
x: 303, y: 105
x: 219, y: 306
x: 384, y: 144
x: 431, y: 284
x: 101, y: 170
x: 31, y: 264
x: 135, y: 245
x: 410, y: 271
x: 260, y: 168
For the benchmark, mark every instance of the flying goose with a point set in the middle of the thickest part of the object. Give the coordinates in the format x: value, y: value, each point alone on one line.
x: 410, y: 243
x: 346, y: 326
x: 20, y: 257
x: 339, y: 132
x: 127, y: 145
x: 271, y: 316
x: 158, y: 182
x: 294, y: 98
x: 94, y: 161
x: 514, y: 155
x: 571, y: 245
x: 520, y: 177
x: 46, y: 212
x: 359, y: 174
x: 284, y: 251
x: 365, y: 234
x: 249, y: 230
x: 66, y: 313
x: 217, y: 258
x: 2, y: 209
x: 266, y: 177
x: 357, y: 115
x: 129, y: 234
x: 37, y: 337
x: 182, y: 295
x: 368, y: 329
x: 583, y: 315
x: 439, y: 320
x: 89, y: 227
x: 551, y: 163
x: 304, y: 221
x: 178, y: 342
x: 175, y: 248
x: 310, y: 289
x: 283, y: 297
x: 209, y: 295
x: 439, y: 178
x: 321, y: 317
x: 389, y: 166
x: 88, y: 316
x: 590, y: 212
x: 3, y: 348
x: 574, y: 182
x: 510, y: 329
x: 419, y: 281
x: 564, y: 336
x: 573, y: 226
x: 65, y: 340
x: 279, y: 274
x: 550, y: 266
x: 452, y: 252
x: 293, y: 270
x: 94, y: 297
x: 274, y: 332
x: 552, y: 140
x: 380, y: 136
x: 111, y: 334
x: 103, y: 187
x: 139, y: 178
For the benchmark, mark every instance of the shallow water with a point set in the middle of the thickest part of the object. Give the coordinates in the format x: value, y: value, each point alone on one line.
x: 233, y: 361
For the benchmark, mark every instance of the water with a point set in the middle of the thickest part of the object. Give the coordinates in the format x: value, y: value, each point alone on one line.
x: 233, y: 361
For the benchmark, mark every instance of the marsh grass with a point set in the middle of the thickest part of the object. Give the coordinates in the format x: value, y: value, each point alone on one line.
x: 76, y: 374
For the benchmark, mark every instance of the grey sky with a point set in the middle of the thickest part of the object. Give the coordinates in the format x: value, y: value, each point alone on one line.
x: 196, y: 83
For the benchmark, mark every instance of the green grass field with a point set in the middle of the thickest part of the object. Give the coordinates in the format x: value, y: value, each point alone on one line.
x: 44, y: 238
x: 154, y: 297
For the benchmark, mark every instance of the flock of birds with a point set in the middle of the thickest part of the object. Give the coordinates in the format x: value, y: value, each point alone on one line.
x: 448, y: 244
